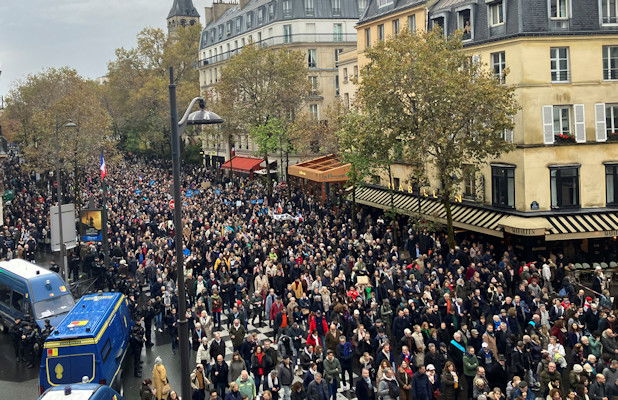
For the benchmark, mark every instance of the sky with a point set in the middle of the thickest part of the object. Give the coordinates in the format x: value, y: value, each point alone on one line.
x: 82, y: 34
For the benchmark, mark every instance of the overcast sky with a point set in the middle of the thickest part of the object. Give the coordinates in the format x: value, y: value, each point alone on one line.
x: 82, y: 34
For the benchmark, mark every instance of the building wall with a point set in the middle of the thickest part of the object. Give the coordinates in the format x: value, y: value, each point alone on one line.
x: 347, y: 68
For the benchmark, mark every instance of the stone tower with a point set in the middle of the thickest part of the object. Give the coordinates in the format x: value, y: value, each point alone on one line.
x: 183, y: 13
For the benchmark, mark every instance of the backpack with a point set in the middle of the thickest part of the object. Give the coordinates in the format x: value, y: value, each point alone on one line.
x: 347, y: 350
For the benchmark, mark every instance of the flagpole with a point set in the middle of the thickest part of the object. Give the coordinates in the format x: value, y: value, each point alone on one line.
x: 104, y: 217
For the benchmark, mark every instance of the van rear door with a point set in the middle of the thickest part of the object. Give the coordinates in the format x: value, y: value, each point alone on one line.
x: 66, y: 369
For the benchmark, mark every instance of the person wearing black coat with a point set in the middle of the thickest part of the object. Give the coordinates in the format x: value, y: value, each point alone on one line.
x: 421, y: 387
x: 365, y: 390
x: 217, y: 347
x: 219, y: 375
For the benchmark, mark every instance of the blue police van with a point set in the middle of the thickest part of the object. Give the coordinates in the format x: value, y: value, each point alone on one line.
x: 30, y: 291
x: 91, y: 342
x: 80, y: 391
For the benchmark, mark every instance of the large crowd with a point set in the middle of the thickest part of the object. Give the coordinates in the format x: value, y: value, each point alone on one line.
x: 359, y: 301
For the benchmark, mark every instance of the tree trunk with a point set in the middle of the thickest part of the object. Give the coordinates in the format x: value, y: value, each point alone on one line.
x: 446, y: 202
x: 391, y: 190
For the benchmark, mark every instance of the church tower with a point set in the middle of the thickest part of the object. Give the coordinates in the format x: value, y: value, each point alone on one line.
x: 183, y: 13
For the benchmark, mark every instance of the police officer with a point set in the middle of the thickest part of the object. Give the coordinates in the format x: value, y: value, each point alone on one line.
x: 149, y: 313
x: 27, y: 350
x: 137, y: 342
x: 54, y: 267
x: 42, y: 337
x: 16, y: 332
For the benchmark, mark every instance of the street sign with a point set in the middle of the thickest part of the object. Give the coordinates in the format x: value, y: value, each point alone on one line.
x: 171, y: 203
x: 69, y: 233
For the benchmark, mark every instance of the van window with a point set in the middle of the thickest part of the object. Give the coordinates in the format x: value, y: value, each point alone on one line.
x: 107, y: 348
x: 18, y: 302
x: 5, y: 295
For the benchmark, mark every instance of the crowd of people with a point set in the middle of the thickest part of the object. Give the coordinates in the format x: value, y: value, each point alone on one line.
x: 357, y: 302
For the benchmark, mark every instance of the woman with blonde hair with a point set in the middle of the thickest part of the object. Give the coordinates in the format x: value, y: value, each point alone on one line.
x: 450, y: 382
x: 384, y: 365
x: 160, y: 381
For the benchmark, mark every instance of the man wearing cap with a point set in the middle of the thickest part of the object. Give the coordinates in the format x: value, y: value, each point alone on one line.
x: 523, y: 392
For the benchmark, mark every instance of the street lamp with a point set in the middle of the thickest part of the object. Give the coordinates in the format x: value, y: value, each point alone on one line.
x: 201, y: 117
x: 63, y: 249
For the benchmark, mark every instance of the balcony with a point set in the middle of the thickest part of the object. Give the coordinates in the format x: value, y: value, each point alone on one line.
x: 286, y: 39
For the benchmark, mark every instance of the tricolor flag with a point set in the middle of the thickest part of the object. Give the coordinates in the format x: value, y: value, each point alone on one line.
x: 102, y: 166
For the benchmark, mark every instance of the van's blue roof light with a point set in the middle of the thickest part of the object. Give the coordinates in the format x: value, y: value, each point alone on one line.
x: 48, y: 284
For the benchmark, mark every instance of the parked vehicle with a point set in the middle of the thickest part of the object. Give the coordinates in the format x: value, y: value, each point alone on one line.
x: 80, y: 391
x: 28, y: 291
x: 90, y: 343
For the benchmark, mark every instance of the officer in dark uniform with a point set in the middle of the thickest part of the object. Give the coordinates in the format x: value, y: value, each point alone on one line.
x: 47, y: 330
x: 137, y: 342
x: 54, y: 267
x: 27, y: 345
x: 148, y: 314
x: 16, y: 333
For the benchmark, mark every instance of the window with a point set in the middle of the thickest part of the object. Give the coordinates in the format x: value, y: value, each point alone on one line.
x: 610, y: 62
x: 564, y: 187
x: 228, y: 28
x: 381, y: 32
x: 5, y: 294
x: 271, y: 11
x: 611, y: 184
x: 367, y: 37
x: 312, y: 61
x: 498, y: 64
x: 464, y: 23
x: 559, y: 64
x: 395, y: 27
x: 346, y: 100
x: 313, y: 80
x: 345, y: 75
x: 362, y: 4
x: 287, y: 8
x: 412, y: 23
x: 249, y: 20
x: 496, y: 13
x: 287, y: 33
x: 559, y: 9
x: 438, y: 22
x: 356, y: 71
x: 17, y: 302
x: 260, y: 17
x: 336, y: 85
x: 611, y: 121
x: 503, y: 186
x: 242, y: 42
x: 609, y: 11
x: 562, y: 120
x: 259, y: 37
x: 469, y: 180
x: 337, y: 54
x: 238, y: 24
x: 336, y: 4
x: 309, y: 10
x: 384, y: 3
x: 220, y: 31
x: 313, y: 110
x: 107, y: 348
x: 396, y: 183
x: 338, y: 32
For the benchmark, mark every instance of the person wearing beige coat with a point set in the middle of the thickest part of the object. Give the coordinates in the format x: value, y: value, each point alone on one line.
x: 160, y: 380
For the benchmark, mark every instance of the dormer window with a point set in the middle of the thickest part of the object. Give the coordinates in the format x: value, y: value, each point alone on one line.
x: 495, y: 10
x: 220, y: 31
x: 260, y: 18
x: 238, y: 24
x: 609, y: 12
x: 384, y: 3
x: 559, y: 9
x: 439, y: 22
x: 287, y: 8
x: 464, y: 23
x: 271, y: 11
x: 309, y: 7
x: 336, y: 5
x: 249, y: 20
x: 228, y: 28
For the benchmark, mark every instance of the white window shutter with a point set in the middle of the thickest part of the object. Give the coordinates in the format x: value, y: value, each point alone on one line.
x: 548, y: 124
x: 580, y: 123
x: 601, y: 129
x: 508, y: 135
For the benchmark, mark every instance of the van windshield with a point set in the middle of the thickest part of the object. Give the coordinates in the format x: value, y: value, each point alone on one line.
x: 53, y: 306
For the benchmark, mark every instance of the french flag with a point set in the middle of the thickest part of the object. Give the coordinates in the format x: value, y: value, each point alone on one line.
x: 102, y: 166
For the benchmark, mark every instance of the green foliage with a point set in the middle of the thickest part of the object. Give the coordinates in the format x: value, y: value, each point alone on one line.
x: 434, y: 107
x: 136, y: 95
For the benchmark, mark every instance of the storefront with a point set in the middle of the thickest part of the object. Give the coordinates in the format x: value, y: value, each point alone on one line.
x: 320, y: 177
x: 244, y: 165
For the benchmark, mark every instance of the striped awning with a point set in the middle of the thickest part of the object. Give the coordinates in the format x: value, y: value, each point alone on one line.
x: 582, y: 226
x: 464, y: 216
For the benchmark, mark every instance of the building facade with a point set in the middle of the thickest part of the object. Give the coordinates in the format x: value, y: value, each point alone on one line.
x: 320, y: 29
x: 560, y: 185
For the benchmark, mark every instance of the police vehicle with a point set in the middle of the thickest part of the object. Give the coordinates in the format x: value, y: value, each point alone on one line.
x: 82, y: 391
x: 91, y: 341
x: 30, y: 291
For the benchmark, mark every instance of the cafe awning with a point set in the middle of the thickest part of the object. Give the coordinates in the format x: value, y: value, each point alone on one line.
x: 322, y: 169
x: 534, y: 226
x: 243, y: 164
x: 583, y: 225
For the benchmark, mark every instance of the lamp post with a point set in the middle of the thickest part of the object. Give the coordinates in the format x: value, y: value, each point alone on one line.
x: 63, y: 249
x: 201, y: 117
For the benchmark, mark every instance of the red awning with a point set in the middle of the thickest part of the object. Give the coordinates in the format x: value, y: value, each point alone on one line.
x: 244, y: 164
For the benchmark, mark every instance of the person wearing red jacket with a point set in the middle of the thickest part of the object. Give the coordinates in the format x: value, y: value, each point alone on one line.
x: 318, y: 324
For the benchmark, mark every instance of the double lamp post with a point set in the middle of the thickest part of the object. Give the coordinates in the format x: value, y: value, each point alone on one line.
x: 201, y: 117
